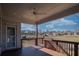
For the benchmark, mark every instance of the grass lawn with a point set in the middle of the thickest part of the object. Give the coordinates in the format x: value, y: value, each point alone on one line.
x: 67, y: 38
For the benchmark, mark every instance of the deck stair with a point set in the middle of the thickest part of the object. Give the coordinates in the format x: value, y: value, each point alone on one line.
x: 52, y: 52
x: 54, y: 47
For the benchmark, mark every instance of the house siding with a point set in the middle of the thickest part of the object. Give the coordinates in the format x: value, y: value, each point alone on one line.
x: 0, y: 27
x: 0, y: 35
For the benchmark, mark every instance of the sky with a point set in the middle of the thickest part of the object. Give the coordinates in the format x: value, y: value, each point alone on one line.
x: 69, y: 23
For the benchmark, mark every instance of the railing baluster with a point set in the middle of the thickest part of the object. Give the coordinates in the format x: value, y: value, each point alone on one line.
x: 66, y: 47
x: 45, y: 44
x: 75, y: 49
x: 59, y: 48
x: 78, y: 49
x: 71, y: 49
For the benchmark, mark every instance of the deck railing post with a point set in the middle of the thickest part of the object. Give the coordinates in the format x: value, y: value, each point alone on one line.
x: 75, y: 49
x: 21, y: 43
x: 45, y: 43
x: 42, y: 40
x: 56, y: 43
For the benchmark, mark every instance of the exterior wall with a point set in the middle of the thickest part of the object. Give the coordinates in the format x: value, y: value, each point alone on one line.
x: 3, y: 25
x: 0, y: 27
x: 18, y: 36
x: 0, y: 35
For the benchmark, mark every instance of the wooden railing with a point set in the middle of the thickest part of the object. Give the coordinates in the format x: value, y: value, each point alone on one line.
x: 65, y: 47
x: 39, y: 38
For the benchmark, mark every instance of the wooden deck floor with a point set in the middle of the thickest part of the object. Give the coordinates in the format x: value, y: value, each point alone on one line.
x: 28, y: 51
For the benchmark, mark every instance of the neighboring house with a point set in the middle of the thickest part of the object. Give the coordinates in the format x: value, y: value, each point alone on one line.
x: 72, y: 32
x: 59, y: 33
x: 69, y: 33
x: 76, y: 32
x: 54, y: 33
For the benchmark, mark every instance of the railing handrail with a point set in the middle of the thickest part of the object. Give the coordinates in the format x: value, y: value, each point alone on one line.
x: 69, y: 42
x: 65, y: 41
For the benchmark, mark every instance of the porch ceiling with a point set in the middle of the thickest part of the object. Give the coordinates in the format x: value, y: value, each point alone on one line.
x: 19, y: 12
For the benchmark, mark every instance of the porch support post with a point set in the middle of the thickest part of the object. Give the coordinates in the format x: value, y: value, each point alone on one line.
x: 36, y: 40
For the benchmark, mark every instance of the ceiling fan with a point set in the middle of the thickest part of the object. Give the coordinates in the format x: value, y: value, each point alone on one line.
x: 35, y: 12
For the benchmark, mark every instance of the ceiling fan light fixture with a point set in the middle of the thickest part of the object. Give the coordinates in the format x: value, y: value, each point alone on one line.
x: 34, y: 13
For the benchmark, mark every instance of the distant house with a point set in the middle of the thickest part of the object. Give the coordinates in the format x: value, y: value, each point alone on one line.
x: 76, y: 32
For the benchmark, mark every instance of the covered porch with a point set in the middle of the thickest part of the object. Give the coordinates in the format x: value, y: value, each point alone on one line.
x: 36, y: 14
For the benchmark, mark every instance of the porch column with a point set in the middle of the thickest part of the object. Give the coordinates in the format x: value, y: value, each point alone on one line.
x: 36, y: 40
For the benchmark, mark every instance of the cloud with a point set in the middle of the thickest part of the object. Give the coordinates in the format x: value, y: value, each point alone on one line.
x: 59, y: 29
x: 57, y: 24
x: 71, y: 23
x: 67, y: 22
x: 44, y: 30
x: 27, y: 27
x: 31, y: 29
x: 50, y: 25
x: 63, y: 21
